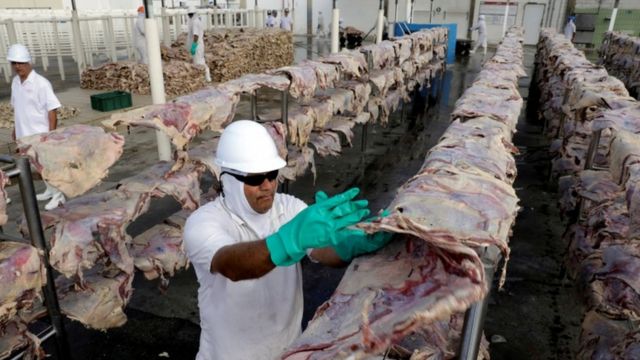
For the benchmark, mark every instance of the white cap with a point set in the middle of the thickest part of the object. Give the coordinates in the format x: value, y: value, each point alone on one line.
x: 18, y: 53
x: 246, y: 146
x: 481, y: 17
x: 191, y: 9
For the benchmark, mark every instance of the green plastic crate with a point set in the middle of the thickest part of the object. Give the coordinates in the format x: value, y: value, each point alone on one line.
x: 110, y: 101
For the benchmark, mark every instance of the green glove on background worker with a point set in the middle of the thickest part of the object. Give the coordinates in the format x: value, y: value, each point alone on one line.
x: 194, y: 46
x: 354, y: 242
x: 317, y: 226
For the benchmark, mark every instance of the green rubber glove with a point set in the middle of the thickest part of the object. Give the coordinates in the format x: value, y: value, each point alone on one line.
x: 315, y: 227
x: 355, y: 242
x: 194, y: 46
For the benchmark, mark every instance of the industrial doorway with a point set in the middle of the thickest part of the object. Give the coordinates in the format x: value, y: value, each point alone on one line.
x: 532, y: 22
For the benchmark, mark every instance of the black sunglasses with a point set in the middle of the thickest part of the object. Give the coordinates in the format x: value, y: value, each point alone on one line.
x: 255, y: 180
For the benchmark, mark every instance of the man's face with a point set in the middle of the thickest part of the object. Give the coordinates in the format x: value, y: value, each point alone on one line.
x: 22, y: 69
x: 261, y: 197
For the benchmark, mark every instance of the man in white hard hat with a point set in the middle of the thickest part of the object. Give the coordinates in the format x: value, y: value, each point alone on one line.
x: 246, y: 246
x: 34, y: 108
x: 482, y: 35
x: 195, y: 41
x: 139, y: 37
x: 286, y: 22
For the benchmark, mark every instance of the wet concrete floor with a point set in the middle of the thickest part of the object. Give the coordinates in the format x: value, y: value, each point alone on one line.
x: 536, y: 313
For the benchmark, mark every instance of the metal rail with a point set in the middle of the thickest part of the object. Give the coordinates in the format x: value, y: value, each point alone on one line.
x: 22, y: 170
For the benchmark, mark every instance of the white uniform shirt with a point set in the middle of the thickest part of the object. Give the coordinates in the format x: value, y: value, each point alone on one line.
x: 270, y: 21
x: 285, y: 23
x: 569, y: 30
x: 31, y: 101
x: 139, y: 39
x: 249, y: 319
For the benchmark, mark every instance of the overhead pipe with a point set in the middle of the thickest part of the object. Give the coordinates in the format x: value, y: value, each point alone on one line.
x: 335, y: 29
x: 380, y: 28
x: 614, y: 14
x: 155, y: 77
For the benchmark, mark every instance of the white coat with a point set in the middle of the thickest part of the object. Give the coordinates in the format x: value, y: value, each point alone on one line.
x: 482, y: 35
x: 139, y: 40
x: 569, y: 30
x: 286, y: 22
x: 196, y: 28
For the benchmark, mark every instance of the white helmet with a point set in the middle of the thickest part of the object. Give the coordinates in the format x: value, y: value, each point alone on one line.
x: 481, y: 17
x: 246, y: 146
x: 191, y: 9
x: 18, y: 53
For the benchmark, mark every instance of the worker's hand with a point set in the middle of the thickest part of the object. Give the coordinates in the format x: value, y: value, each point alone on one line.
x: 194, y: 46
x: 355, y: 242
x: 315, y: 227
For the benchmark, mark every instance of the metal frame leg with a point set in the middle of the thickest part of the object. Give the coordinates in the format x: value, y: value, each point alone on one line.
x: 593, y: 149
x: 284, y: 113
x: 363, y: 143
x: 32, y: 214
x: 254, y: 106
x: 474, y: 322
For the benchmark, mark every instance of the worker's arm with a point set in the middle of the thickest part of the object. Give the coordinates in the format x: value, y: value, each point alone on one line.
x: 327, y: 256
x: 243, y: 261
x: 252, y: 260
x: 53, y: 120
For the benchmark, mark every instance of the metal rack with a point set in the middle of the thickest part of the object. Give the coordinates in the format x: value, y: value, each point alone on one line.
x: 474, y: 316
x: 20, y: 167
x: 284, y: 113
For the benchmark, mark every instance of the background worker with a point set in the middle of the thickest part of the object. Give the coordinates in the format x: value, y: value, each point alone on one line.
x: 275, y: 21
x: 286, y: 22
x: 246, y: 246
x: 195, y: 41
x: 482, y: 35
x: 269, y: 22
x: 139, y: 39
x: 34, y: 108
x: 570, y: 28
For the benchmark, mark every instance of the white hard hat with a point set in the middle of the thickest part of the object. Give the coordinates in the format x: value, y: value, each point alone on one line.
x: 18, y: 53
x: 247, y: 147
x: 191, y: 9
x: 481, y: 17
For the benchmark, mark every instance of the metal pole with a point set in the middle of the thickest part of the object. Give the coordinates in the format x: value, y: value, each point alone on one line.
x: 363, y: 143
x: 380, y: 29
x: 506, y: 16
x: 254, y: 106
x: 395, y: 21
x: 474, y: 321
x: 335, y: 29
x: 411, y: 13
x: 472, y: 9
x: 614, y: 14
x: 32, y: 214
x: 77, y: 38
x: 431, y: 13
x: 285, y: 121
x: 155, y: 77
